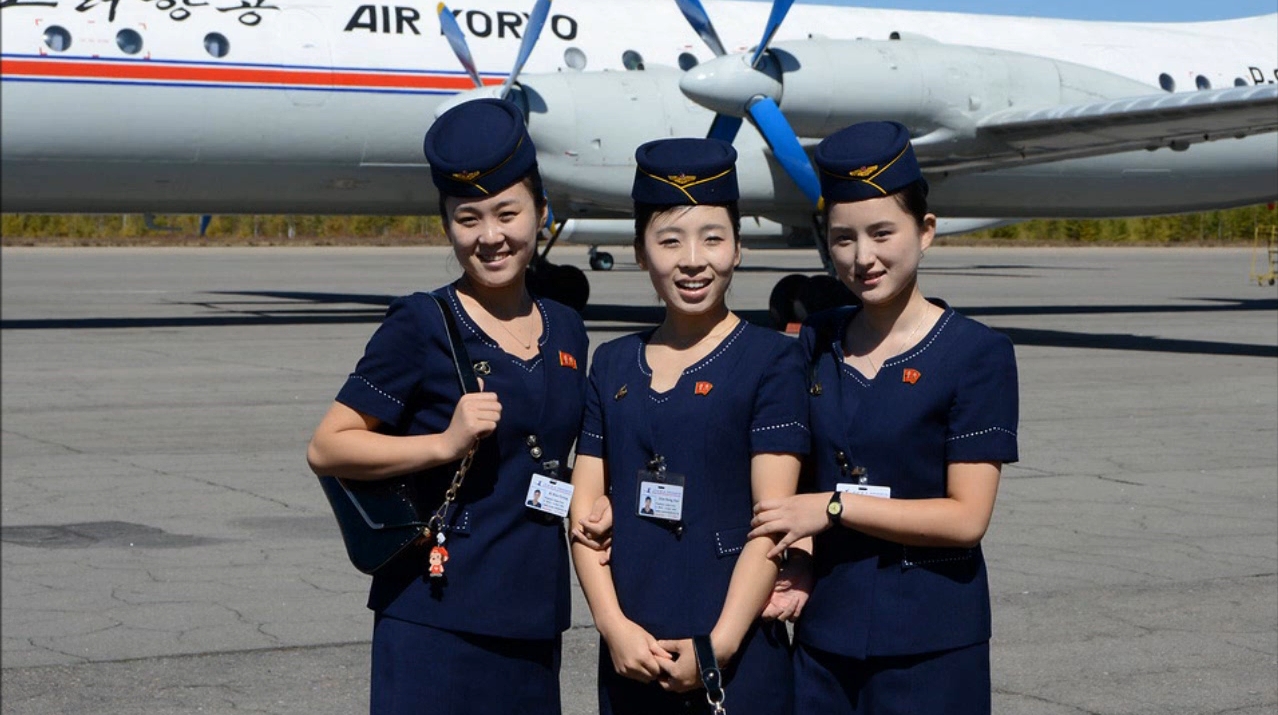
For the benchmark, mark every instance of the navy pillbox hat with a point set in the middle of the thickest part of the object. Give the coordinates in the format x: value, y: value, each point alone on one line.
x: 685, y: 171
x: 865, y: 161
x: 479, y: 148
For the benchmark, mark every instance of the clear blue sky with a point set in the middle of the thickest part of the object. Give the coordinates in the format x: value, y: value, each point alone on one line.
x: 1137, y: 10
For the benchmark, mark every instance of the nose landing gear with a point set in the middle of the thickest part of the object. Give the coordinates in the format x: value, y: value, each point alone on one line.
x: 600, y: 260
x: 797, y: 296
x: 562, y: 283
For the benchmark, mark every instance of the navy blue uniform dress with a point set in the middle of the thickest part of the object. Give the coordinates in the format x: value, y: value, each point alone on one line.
x: 744, y: 398
x: 892, y: 628
x: 467, y: 645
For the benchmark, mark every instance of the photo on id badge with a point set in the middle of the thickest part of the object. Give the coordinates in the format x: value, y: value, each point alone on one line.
x: 660, y: 495
x: 548, y: 495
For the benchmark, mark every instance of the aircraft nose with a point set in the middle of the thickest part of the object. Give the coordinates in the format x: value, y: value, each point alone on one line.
x: 727, y: 84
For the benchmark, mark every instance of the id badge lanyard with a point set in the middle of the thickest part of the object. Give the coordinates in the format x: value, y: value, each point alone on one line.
x: 854, y: 478
x: 659, y: 492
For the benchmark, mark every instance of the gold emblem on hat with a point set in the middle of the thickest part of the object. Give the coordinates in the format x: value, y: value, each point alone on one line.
x: 863, y: 171
x: 681, y: 179
x: 466, y: 175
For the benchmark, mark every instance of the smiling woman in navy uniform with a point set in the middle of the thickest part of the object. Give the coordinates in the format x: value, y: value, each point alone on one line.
x: 710, y: 404
x: 461, y: 644
x: 914, y: 412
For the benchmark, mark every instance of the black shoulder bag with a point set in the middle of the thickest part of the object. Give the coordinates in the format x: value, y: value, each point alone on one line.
x: 380, y: 519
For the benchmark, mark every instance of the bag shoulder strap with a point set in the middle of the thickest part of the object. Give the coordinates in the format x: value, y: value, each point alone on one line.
x: 461, y: 359
x: 824, y: 335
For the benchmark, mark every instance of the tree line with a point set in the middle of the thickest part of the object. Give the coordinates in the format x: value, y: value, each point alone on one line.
x: 1233, y: 226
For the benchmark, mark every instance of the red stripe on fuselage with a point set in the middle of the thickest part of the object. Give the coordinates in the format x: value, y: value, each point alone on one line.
x: 153, y: 72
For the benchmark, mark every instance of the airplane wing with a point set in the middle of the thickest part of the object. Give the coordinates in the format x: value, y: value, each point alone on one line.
x: 1018, y: 137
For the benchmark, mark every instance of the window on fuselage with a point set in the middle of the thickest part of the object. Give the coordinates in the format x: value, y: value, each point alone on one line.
x: 129, y: 42
x: 216, y: 44
x: 57, y: 38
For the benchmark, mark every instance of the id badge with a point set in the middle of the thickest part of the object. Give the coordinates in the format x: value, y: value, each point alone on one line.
x: 549, y: 495
x: 660, y: 495
x: 868, y: 490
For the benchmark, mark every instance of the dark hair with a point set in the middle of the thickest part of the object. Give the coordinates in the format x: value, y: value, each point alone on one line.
x: 912, y: 199
x: 644, y: 214
x: 532, y: 180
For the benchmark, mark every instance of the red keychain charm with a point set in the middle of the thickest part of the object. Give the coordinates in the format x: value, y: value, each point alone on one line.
x: 438, y: 555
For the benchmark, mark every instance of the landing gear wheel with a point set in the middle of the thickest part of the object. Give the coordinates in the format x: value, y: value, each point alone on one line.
x: 601, y: 261
x: 569, y: 285
x: 822, y: 293
x: 783, y: 303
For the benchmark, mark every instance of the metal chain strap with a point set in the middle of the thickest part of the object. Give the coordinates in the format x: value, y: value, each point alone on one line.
x: 436, y: 522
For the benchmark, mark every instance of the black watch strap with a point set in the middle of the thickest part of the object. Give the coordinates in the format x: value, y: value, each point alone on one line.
x: 711, y: 676
x: 835, y: 515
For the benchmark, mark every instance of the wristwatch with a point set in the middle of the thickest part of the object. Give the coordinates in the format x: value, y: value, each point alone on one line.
x: 834, y: 509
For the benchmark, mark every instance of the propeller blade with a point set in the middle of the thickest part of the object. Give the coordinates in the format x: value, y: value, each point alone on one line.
x: 725, y: 127
x: 779, y: 10
x: 536, y: 19
x: 457, y: 40
x: 700, y: 21
x: 785, y: 146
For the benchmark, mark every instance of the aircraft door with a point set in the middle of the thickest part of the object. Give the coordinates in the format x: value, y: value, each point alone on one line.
x: 300, y: 44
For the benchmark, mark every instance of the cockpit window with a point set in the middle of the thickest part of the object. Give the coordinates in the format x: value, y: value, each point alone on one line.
x: 216, y: 44
x: 57, y: 38
x: 632, y: 60
x: 129, y: 41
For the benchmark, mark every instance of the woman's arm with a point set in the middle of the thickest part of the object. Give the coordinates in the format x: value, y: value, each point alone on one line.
x: 958, y: 519
x: 346, y: 443
x: 772, y: 477
x: 634, y: 651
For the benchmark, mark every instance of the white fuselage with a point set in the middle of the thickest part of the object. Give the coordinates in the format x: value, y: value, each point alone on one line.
x: 321, y: 108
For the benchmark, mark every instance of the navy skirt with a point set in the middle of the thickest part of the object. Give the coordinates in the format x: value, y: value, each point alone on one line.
x: 759, y: 681
x: 419, y: 670
x: 954, y: 682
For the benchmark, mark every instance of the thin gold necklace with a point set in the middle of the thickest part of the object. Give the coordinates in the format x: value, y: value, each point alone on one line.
x: 903, y: 343
x: 526, y: 342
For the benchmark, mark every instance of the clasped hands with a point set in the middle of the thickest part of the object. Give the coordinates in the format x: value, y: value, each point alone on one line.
x: 637, y: 655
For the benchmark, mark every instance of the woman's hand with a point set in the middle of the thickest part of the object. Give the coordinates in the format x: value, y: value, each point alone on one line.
x: 595, y: 531
x: 792, y: 518
x: 634, y: 651
x: 679, y: 672
x: 476, y: 416
x: 793, y: 586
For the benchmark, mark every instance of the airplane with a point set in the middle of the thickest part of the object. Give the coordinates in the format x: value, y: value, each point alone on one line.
x: 270, y: 106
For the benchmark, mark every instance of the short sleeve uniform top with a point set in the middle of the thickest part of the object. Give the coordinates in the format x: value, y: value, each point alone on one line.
x: 952, y: 398
x: 746, y: 397
x: 497, y: 546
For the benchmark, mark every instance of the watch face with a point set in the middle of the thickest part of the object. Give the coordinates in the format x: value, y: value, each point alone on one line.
x: 835, y: 507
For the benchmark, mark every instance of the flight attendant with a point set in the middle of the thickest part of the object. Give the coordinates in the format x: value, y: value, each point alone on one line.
x: 458, y: 642
x: 914, y: 412
x: 687, y: 426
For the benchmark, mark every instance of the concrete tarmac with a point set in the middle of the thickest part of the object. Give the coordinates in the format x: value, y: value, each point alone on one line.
x: 166, y: 550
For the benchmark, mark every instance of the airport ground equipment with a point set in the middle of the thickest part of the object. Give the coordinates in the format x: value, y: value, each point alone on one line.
x: 1264, y: 255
